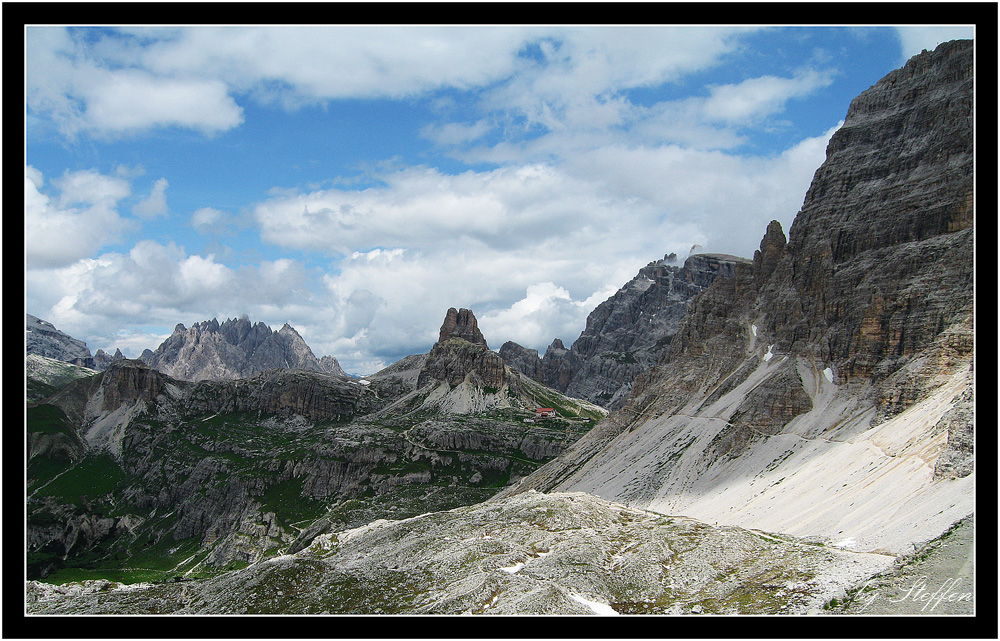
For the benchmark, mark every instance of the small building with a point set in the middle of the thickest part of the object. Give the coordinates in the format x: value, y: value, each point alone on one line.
x: 545, y: 412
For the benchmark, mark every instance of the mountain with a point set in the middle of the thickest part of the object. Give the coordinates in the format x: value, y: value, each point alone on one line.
x: 811, y: 423
x: 43, y: 339
x: 135, y: 474
x: 625, y: 334
x: 233, y: 349
x: 462, y: 375
x: 827, y: 388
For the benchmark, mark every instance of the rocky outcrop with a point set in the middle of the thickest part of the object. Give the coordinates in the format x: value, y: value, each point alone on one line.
x: 42, y: 338
x: 127, y: 381
x: 462, y: 355
x: 627, y: 333
x: 461, y: 323
x: 522, y: 359
x: 839, y: 360
x: 461, y: 375
x: 562, y: 553
x: 284, y: 393
x: 234, y: 349
x: 102, y: 360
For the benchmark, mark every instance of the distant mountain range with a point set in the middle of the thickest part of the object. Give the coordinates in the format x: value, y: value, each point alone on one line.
x: 208, y: 350
x: 234, y: 349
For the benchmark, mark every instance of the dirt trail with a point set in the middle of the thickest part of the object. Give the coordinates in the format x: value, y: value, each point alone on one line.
x: 937, y: 579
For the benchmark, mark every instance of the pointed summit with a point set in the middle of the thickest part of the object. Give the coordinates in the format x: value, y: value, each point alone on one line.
x: 461, y: 323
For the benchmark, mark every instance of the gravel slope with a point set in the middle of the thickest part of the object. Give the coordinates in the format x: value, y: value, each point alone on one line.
x: 937, y: 579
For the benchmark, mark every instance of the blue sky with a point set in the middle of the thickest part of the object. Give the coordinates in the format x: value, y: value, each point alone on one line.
x: 356, y: 182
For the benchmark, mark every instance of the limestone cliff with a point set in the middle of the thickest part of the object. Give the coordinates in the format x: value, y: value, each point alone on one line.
x: 826, y: 388
x: 625, y: 334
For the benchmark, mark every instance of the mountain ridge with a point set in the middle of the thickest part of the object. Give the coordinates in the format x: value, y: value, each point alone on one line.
x: 235, y: 348
x: 854, y: 339
x: 626, y: 333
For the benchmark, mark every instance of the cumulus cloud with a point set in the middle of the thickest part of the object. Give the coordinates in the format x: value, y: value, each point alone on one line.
x: 86, y: 88
x: 755, y: 98
x: 530, y: 249
x: 80, y: 218
x: 156, y: 284
x: 124, y: 81
x: 547, y: 311
x: 156, y: 203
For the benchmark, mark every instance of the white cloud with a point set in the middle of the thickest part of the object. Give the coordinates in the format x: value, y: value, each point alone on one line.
x: 158, y: 284
x: 455, y: 133
x: 124, y: 81
x: 95, y: 88
x: 156, y: 203
x: 756, y: 98
x: 547, y: 311
x: 128, y: 101
x: 75, y: 222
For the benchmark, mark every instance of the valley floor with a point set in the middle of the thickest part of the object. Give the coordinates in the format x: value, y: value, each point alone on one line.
x: 938, y: 579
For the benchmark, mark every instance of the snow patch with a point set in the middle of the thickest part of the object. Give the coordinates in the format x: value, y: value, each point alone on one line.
x: 514, y: 569
x: 753, y: 328
x: 769, y: 355
x: 828, y: 373
x: 597, y: 607
x: 849, y: 542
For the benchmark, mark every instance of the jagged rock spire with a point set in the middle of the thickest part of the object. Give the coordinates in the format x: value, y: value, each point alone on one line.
x: 461, y: 323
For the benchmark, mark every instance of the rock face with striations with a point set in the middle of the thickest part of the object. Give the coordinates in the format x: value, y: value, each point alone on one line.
x: 625, y: 334
x: 462, y: 355
x: 843, y: 353
x: 42, y: 338
x: 234, y: 349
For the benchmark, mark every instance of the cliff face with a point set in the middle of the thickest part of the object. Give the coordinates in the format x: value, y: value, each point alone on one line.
x: 625, y: 334
x: 462, y: 355
x: 832, y: 358
x: 234, y: 349
x: 43, y: 339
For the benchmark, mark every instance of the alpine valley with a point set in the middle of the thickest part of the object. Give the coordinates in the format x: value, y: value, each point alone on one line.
x: 758, y: 435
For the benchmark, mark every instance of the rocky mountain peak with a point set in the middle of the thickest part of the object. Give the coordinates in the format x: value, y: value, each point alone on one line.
x: 461, y: 323
x: 102, y: 359
x: 235, y: 348
x: 466, y: 360
x: 628, y: 332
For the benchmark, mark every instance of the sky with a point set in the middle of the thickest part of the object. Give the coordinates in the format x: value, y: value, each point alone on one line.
x: 357, y: 181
